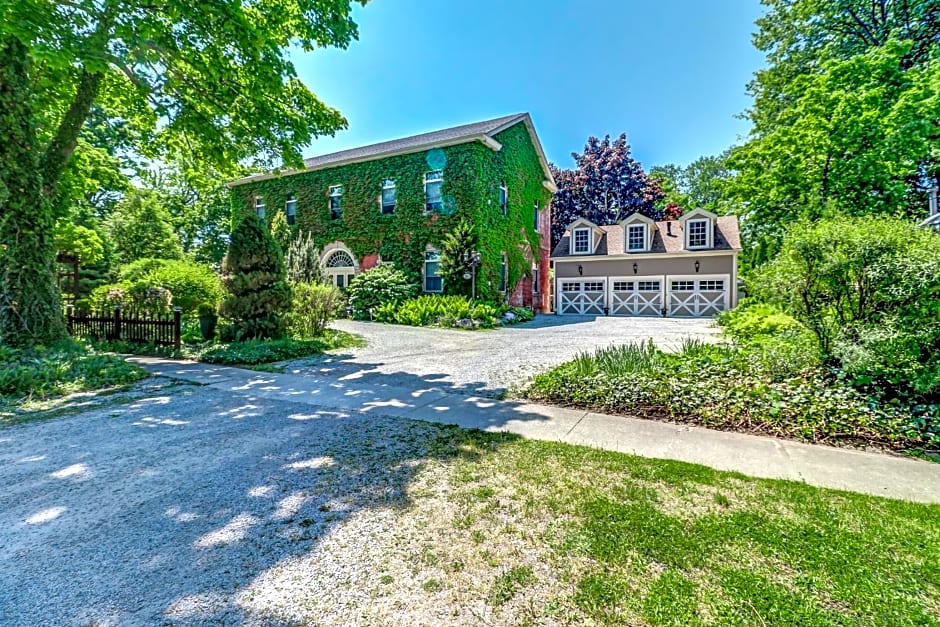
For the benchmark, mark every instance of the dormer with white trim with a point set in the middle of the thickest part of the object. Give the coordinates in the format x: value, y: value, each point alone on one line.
x: 584, y: 237
x: 698, y: 228
x: 638, y: 233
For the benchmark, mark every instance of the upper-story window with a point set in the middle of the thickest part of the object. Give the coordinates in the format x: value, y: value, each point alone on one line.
x: 432, y: 272
x: 433, y: 191
x: 503, y: 198
x: 582, y: 241
x: 696, y: 233
x: 535, y: 210
x: 388, y: 196
x: 336, y: 202
x: 259, y: 207
x: 290, y: 208
x: 636, y: 237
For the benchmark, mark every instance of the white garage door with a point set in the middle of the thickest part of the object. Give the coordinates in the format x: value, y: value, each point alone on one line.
x: 577, y: 296
x: 636, y: 296
x: 697, y: 296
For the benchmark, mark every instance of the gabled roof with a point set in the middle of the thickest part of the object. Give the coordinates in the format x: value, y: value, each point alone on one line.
x: 668, y: 238
x: 478, y: 131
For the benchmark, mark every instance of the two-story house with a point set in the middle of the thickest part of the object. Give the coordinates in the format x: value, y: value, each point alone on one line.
x: 396, y: 200
x: 639, y: 267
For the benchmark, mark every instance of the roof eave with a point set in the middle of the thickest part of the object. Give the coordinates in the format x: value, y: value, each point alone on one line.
x: 484, y: 139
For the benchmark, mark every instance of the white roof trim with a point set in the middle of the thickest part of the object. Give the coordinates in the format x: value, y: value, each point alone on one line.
x: 698, y: 213
x: 637, y: 217
x: 484, y: 139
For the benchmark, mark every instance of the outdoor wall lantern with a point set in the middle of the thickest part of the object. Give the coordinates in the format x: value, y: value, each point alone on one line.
x: 697, y: 265
x: 634, y: 267
x: 580, y: 269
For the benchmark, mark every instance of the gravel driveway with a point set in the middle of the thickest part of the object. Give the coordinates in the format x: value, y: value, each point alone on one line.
x: 488, y: 362
x: 195, y: 506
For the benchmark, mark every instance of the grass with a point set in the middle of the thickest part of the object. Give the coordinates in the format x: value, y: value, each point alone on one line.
x: 566, y: 534
x: 31, y: 376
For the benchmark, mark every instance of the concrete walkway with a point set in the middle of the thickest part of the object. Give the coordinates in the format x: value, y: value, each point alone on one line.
x: 421, y: 399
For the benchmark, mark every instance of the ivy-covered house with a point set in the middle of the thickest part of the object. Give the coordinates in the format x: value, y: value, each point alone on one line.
x: 396, y: 200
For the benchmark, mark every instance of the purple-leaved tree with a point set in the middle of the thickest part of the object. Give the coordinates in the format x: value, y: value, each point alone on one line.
x: 606, y: 185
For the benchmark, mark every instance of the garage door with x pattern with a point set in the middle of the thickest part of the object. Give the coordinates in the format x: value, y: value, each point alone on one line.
x: 636, y: 296
x: 586, y: 297
x: 697, y: 296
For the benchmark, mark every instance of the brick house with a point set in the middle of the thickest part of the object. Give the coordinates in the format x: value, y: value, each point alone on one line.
x: 396, y: 200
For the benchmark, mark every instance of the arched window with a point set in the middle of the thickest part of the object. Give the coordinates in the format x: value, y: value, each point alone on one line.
x: 340, y: 259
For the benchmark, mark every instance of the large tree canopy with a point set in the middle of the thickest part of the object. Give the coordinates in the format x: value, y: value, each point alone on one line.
x: 846, y: 117
x: 215, y: 74
x: 606, y: 185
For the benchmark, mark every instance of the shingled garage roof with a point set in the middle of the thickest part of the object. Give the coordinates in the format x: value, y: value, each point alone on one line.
x: 478, y: 131
x: 666, y: 239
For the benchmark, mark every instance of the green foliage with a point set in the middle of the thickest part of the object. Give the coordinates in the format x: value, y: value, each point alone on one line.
x: 206, y: 309
x: 472, y: 173
x: 190, y: 283
x: 30, y: 305
x: 313, y: 305
x: 764, y: 386
x: 303, y: 260
x: 751, y: 319
x: 280, y: 230
x: 455, y: 247
x: 139, y: 297
x: 60, y: 369
x: 449, y: 311
x: 254, y: 276
x: 80, y: 241
x: 702, y: 184
x: 842, y: 276
x: 140, y: 227
x: 255, y: 352
x: 382, y: 285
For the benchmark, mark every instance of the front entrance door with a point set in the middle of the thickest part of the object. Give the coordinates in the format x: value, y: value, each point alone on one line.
x: 340, y: 268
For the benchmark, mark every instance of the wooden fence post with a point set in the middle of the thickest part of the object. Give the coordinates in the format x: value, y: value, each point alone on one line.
x: 69, y: 313
x: 116, y: 331
x: 177, y: 328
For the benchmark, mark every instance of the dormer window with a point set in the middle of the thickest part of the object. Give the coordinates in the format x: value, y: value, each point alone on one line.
x: 582, y: 241
x: 696, y: 233
x: 636, y: 238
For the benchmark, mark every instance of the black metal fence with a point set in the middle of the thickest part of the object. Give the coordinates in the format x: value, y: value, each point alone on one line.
x: 117, y: 325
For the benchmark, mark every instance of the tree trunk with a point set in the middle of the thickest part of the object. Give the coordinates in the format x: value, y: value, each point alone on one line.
x: 30, y: 305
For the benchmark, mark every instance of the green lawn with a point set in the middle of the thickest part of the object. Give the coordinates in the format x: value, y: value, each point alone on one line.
x: 573, y: 535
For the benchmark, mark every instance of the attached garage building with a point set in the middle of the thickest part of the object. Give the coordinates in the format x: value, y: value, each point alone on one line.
x: 639, y: 267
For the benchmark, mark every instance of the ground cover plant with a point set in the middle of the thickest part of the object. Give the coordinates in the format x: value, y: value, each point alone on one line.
x: 259, y: 352
x: 769, y: 378
x: 450, y: 311
x: 66, y: 367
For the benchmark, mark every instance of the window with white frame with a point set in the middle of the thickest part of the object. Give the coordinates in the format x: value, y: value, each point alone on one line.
x: 648, y: 286
x: 389, y: 196
x: 711, y: 286
x: 336, y: 202
x: 535, y: 209
x: 503, y: 198
x: 535, y: 280
x: 570, y: 287
x: 623, y: 286
x: 290, y: 208
x: 503, y: 270
x: 582, y: 241
x: 433, y: 191
x: 593, y: 286
x: 636, y: 237
x: 683, y: 286
x: 259, y: 207
x: 696, y: 233
x: 432, y: 272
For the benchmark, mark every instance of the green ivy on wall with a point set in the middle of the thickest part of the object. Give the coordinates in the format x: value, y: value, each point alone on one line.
x: 472, y: 176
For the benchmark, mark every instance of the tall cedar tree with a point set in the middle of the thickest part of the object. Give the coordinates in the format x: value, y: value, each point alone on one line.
x: 606, y: 186
x: 233, y: 97
x: 254, y: 275
x: 461, y: 240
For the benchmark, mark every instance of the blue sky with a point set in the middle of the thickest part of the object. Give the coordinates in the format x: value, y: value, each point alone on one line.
x: 670, y: 73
